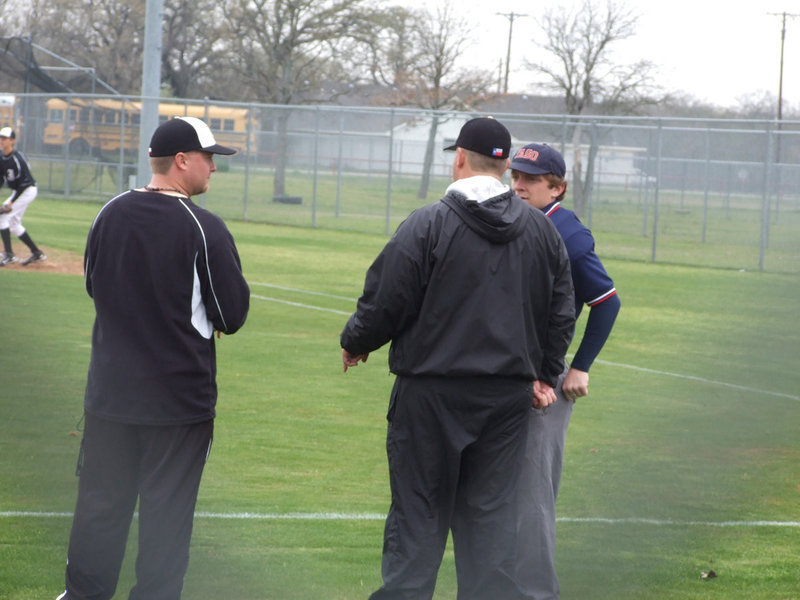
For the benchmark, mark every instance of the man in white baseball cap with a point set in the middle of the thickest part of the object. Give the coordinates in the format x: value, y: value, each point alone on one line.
x: 15, y: 172
x: 165, y: 276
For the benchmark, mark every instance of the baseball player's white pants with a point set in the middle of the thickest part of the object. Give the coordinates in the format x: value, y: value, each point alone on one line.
x: 537, y: 492
x: 13, y: 219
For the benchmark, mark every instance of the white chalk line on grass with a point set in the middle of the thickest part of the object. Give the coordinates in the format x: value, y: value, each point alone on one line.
x: 301, y: 305
x: 300, y: 291
x: 700, y: 379
x: 337, y: 516
x: 601, y: 361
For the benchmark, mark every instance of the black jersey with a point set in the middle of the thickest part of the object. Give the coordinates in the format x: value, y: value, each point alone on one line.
x: 164, y: 274
x: 15, y: 172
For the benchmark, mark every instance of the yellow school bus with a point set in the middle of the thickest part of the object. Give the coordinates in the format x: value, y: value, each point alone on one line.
x: 108, y: 125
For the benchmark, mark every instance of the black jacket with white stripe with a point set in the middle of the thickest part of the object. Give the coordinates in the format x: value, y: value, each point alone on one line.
x: 164, y: 274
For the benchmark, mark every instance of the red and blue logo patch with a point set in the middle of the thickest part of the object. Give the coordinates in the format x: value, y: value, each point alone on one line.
x: 497, y: 152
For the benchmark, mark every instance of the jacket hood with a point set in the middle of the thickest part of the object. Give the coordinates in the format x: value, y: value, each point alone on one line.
x: 499, y: 219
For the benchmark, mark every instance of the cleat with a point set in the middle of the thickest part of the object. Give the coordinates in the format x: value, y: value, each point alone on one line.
x: 34, y: 257
x: 7, y: 259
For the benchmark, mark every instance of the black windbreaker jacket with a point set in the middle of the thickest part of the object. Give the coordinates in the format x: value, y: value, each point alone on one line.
x: 164, y: 273
x: 469, y: 289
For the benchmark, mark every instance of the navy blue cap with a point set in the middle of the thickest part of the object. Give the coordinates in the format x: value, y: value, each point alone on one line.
x: 539, y: 159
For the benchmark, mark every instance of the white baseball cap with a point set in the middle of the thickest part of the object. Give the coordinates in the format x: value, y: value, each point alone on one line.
x: 7, y: 132
x: 184, y: 134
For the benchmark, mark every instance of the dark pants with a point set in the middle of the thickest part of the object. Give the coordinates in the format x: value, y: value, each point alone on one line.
x: 161, y: 466
x: 455, y: 448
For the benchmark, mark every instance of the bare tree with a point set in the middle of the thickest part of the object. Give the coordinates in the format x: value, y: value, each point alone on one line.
x: 386, y: 46
x: 283, y: 49
x: 436, y: 81
x: 193, y: 48
x: 580, y: 47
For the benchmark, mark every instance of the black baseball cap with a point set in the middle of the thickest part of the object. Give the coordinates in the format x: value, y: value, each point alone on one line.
x: 484, y: 135
x: 184, y: 134
x: 7, y: 132
x: 539, y: 159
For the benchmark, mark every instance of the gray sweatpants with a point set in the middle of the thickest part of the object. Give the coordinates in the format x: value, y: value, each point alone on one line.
x: 537, y: 492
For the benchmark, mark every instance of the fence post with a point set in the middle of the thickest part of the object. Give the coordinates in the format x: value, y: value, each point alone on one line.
x: 765, y: 180
x: 339, y: 164
x: 706, y: 185
x: 646, y: 181
x: 659, y: 140
x: 589, y: 184
x: 248, y: 154
x: 67, y: 163
x: 387, y: 229
x: 316, y: 169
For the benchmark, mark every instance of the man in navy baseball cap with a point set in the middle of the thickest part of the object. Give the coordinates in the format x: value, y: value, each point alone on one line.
x: 484, y: 135
x: 538, y: 177
x: 184, y: 134
x: 539, y: 159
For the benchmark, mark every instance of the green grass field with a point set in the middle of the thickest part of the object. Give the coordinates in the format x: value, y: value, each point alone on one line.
x: 684, y: 458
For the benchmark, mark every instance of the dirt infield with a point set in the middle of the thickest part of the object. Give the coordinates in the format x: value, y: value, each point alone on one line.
x: 57, y: 261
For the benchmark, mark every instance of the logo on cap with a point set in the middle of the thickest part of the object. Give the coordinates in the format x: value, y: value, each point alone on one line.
x: 539, y: 159
x: 484, y: 135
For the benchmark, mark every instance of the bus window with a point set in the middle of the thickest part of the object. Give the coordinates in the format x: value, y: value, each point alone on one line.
x: 215, y: 124
x: 228, y: 125
x: 56, y: 115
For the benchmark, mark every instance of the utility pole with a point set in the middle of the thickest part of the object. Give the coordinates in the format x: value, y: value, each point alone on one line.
x: 151, y: 85
x: 783, y: 16
x: 510, y: 16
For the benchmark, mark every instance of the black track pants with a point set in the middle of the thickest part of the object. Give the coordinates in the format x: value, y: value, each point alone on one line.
x: 455, y: 449
x: 161, y: 466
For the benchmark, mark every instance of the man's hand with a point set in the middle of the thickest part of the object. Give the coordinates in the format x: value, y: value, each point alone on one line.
x: 351, y: 360
x: 5, y: 208
x: 543, y: 394
x: 576, y: 384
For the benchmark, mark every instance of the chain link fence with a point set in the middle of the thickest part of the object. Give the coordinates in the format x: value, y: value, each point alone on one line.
x: 721, y: 193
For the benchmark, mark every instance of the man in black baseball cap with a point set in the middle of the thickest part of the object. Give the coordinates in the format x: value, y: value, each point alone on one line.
x: 474, y: 293
x: 484, y: 135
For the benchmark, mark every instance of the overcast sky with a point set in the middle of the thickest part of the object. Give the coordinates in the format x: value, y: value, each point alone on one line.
x: 715, y: 50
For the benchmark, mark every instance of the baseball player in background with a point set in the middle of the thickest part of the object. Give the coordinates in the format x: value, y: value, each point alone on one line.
x: 537, y: 176
x: 16, y: 173
x: 164, y: 275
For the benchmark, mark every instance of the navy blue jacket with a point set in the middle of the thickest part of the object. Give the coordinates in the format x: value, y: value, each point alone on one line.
x: 593, y: 286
